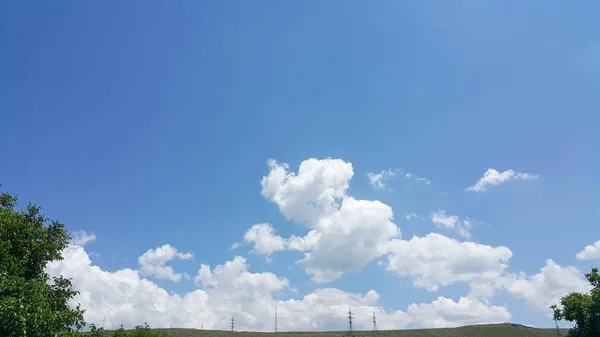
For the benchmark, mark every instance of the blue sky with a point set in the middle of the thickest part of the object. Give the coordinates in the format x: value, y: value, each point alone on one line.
x: 149, y: 124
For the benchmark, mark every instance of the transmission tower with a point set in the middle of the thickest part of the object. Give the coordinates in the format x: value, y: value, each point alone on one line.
x: 350, y: 329
x: 232, y: 323
x: 375, y: 331
x: 374, y: 324
x: 276, y: 319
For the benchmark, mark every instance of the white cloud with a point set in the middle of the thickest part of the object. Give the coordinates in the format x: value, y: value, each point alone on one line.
x: 347, y: 240
x: 411, y: 216
x: 264, y: 239
x: 153, y: 261
x: 313, y: 192
x: 424, y: 181
x: 81, y: 238
x: 548, y: 286
x: 492, y: 178
x: 204, y: 277
x: 124, y: 297
x: 417, y: 178
x: 590, y: 252
x: 346, y: 233
x: 376, y: 179
x: 440, y: 218
x: 444, y: 312
x: 436, y: 260
x: 343, y: 235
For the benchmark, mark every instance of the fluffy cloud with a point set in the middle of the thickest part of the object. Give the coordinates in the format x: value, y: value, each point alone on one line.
x: 451, y: 222
x: 81, y: 238
x: 590, y: 252
x: 124, y: 297
x: 343, y: 234
x: 436, y: 260
x: 444, y: 312
x: 313, y: 192
x: 376, y: 179
x: 347, y: 240
x: 264, y: 239
x: 493, y: 178
x: 153, y: 262
x: 346, y: 233
x: 441, y: 219
x: 548, y: 286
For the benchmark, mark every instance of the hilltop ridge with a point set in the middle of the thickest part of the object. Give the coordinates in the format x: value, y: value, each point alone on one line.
x: 483, y: 330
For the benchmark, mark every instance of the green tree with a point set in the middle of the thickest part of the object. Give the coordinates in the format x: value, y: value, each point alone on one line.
x: 582, y: 309
x: 96, y: 332
x: 31, y: 303
x: 120, y: 332
x: 139, y: 331
x: 145, y: 331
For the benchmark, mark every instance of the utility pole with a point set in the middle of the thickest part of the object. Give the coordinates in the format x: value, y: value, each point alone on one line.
x: 232, y: 323
x: 275, y: 319
x: 103, y: 320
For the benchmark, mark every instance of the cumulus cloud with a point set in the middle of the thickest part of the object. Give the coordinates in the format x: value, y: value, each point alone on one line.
x: 436, y: 260
x: 376, y: 180
x: 264, y: 239
x: 152, y: 262
x: 590, y: 252
x: 347, y: 240
x: 492, y: 178
x: 345, y: 233
x: 548, y: 286
x: 440, y: 218
x: 124, y: 297
x: 314, y: 191
x: 445, y: 312
x: 81, y: 238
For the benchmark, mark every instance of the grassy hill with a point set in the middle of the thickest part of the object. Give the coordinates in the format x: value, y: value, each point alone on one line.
x: 486, y: 330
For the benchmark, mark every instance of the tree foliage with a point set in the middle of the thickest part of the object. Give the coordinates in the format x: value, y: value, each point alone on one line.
x: 582, y: 309
x: 139, y: 331
x: 145, y: 331
x: 31, y: 303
